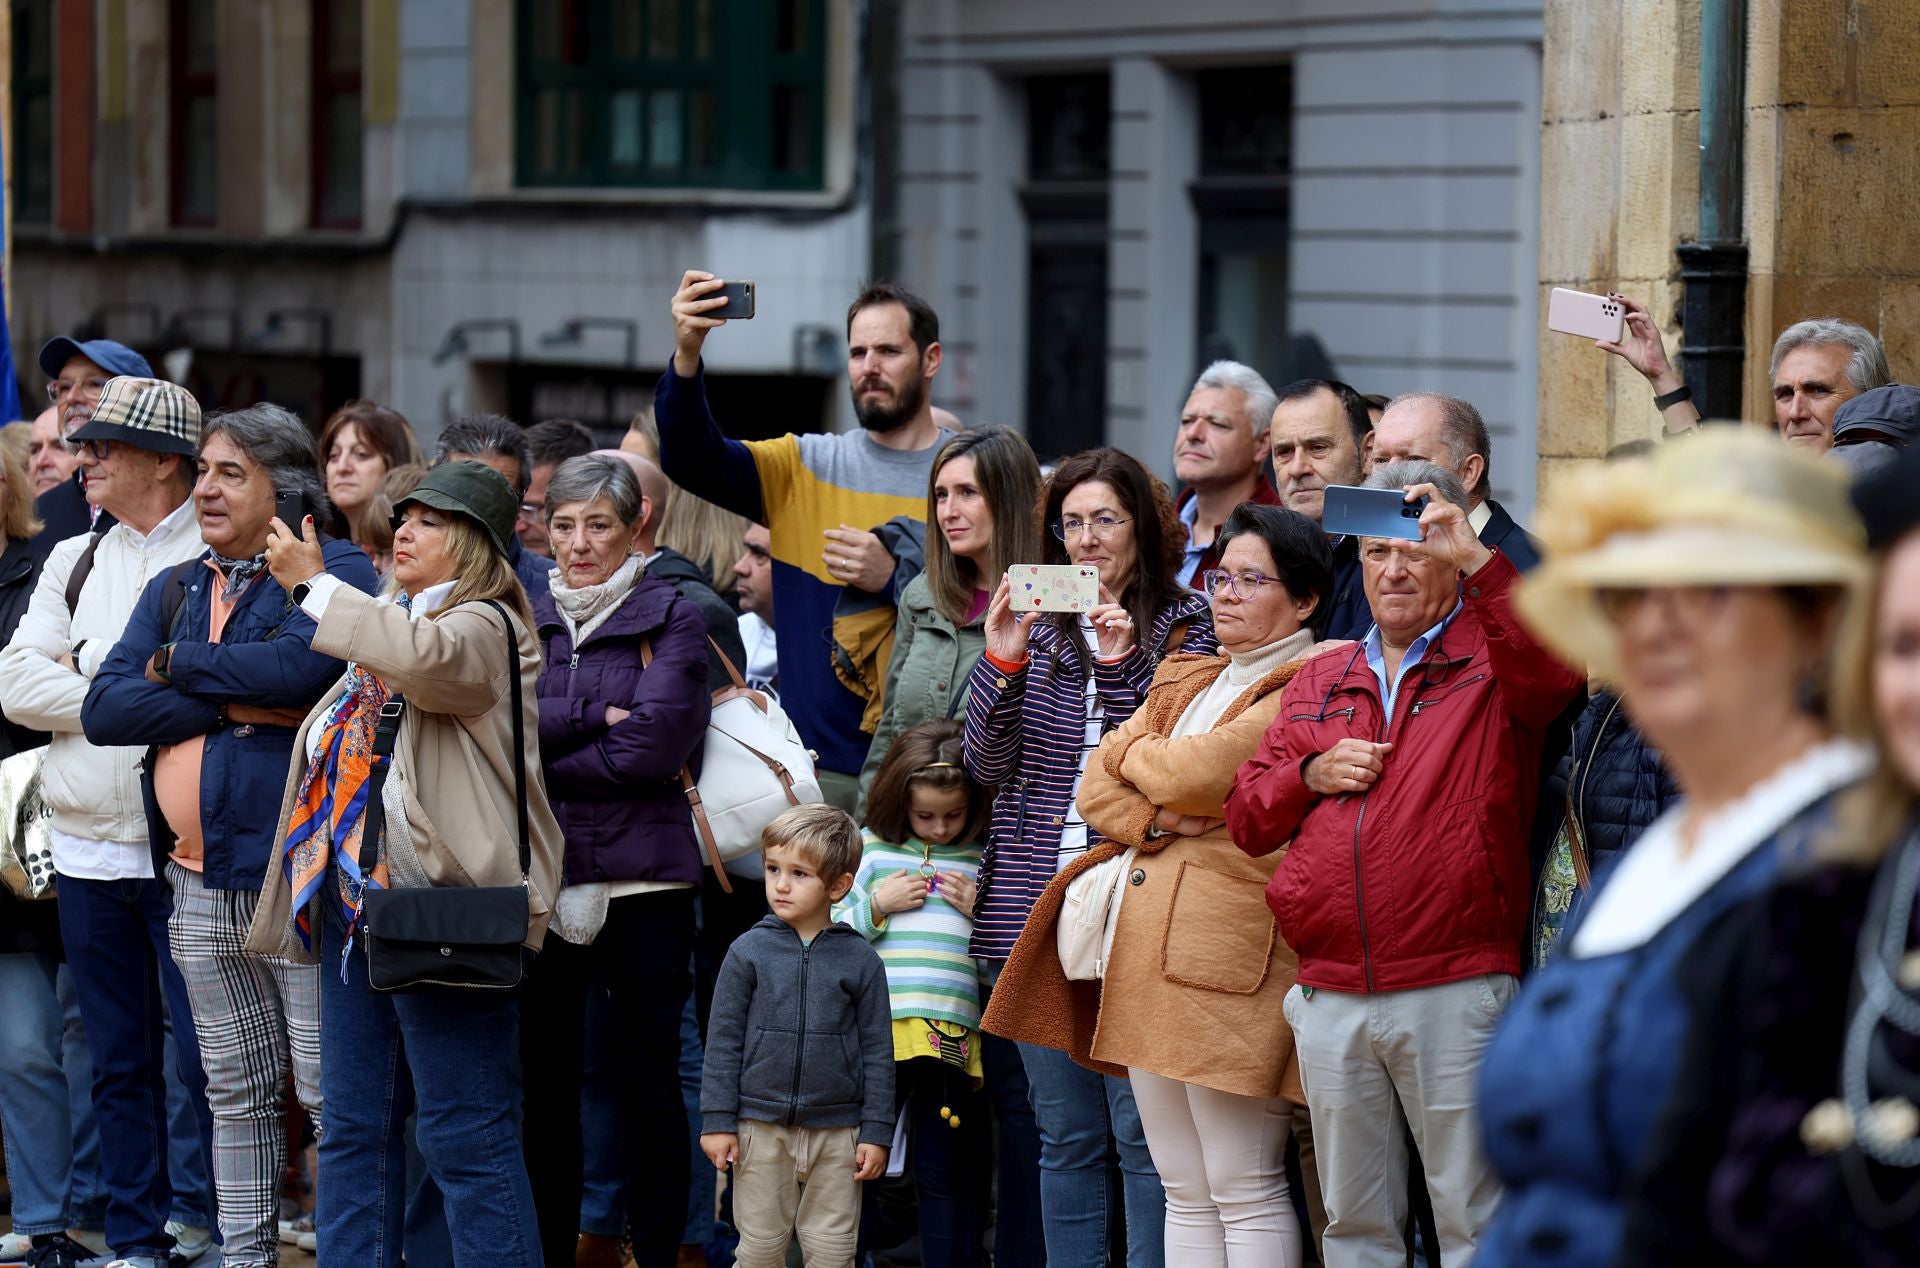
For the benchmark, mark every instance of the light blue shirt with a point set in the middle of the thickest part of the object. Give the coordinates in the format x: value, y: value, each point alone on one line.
x: 1190, y: 515
x: 1377, y: 657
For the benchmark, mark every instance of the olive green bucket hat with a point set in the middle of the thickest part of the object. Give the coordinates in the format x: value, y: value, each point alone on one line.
x: 472, y: 489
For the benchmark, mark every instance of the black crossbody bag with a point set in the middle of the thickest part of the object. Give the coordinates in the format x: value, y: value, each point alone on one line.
x: 445, y: 936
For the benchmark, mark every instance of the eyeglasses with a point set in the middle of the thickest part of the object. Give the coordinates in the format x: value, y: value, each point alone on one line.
x: 1687, y: 605
x: 98, y: 448
x: 1098, y: 526
x: 531, y: 511
x: 1245, y: 585
x: 60, y: 389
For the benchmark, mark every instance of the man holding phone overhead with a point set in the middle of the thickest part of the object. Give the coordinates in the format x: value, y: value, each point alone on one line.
x: 817, y: 494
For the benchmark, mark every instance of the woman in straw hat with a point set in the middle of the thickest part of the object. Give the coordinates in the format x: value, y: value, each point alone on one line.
x: 1718, y: 585
x: 1797, y: 1116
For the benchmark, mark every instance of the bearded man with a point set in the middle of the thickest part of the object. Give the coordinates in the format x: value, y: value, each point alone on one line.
x: 814, y: 492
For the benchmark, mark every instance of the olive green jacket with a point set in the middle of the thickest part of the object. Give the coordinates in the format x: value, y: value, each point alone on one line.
x: 927, y: 675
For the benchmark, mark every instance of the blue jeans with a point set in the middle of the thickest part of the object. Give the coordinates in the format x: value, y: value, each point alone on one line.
x: 1082, y: 1117
x: 603, y: 1190
x: 447, y: 1055
x: 46, y: 1099
x: 1019, y: 1235
x: 129, y: 990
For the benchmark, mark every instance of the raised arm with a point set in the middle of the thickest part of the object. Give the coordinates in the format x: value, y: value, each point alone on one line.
x: 694, y: 452
x: 1535, y: 684
x: 455, y: 663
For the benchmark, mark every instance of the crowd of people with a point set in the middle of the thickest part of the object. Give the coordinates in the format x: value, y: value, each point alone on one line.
x: 1305, y: 897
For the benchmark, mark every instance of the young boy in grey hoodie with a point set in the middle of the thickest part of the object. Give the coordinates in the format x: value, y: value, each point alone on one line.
x: 797, y: 1096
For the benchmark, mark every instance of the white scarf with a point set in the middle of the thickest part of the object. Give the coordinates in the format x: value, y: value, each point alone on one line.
x: 586, y: 609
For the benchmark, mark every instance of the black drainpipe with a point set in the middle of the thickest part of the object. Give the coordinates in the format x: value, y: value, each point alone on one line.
x: 1713, y: 270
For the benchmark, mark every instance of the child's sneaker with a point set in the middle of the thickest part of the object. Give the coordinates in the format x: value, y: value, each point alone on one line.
x: 13, y: 1249
x: 60, y: 1252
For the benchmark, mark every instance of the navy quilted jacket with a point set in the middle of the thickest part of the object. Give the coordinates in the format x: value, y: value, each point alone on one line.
x: 1618, y: 782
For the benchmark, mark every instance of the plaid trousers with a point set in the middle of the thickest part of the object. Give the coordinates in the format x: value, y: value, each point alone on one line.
x: 252, y: 1013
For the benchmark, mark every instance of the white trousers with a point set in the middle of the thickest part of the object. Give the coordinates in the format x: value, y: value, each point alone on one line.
x: 1373, y: 1065
x: 1223, y: 1161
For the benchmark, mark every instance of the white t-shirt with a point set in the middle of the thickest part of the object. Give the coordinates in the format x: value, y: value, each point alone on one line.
x: 1073, y: 832
x: 762, y: 669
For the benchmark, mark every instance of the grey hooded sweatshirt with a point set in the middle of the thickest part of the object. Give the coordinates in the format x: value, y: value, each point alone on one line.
x: 801, y: 1034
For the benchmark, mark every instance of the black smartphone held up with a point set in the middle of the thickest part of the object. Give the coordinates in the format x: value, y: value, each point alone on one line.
x: 291, y: 506
x: 1351, y: 510
x: 739, y: 297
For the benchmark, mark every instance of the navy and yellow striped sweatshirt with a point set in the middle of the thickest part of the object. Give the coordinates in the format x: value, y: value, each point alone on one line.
x: 799, y: 486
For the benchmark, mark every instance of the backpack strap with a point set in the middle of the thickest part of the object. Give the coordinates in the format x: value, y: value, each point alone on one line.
x: 174, y: 595
x: 82, y: 569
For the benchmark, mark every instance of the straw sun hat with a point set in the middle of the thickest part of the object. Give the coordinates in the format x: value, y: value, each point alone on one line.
x: 1732, y: 506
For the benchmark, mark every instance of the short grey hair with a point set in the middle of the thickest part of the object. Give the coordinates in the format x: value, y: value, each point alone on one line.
x: 1866, y: 360
x: 591, y: 477
x: 1403, y: 475
x: 276, y: 441
x: 1261, y: 398
x: 477, y: 435
x: 1462, y: 429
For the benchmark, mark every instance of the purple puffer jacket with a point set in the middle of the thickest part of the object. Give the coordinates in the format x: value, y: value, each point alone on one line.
x: 616, y: 790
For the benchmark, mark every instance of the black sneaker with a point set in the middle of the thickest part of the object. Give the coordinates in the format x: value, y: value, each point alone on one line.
x: 59, y: 1251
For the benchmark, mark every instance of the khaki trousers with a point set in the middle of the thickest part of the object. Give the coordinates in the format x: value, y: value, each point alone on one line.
x: 791, y: 1180
x: 1375, y: 1065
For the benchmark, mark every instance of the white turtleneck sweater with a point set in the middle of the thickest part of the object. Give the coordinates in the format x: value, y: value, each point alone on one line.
x: 1243, y: 670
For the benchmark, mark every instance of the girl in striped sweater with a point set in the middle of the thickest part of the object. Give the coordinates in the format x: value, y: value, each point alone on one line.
x: 912, y: 897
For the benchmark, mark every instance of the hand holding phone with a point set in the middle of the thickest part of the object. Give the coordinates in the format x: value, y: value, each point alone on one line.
x: 1350, y: 510
x: 1054, y: 587
x: 291, y: 506
x: 739, y: 297
x: 1598, y: 317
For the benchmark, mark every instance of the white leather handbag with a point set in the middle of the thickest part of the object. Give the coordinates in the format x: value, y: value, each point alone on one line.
x: 753, y: 768
x: 1089, y: 913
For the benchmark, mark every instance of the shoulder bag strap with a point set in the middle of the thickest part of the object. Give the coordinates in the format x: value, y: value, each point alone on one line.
x: 519, y: 736
x: 732, y: 671
x: 374, y: 817
x: 691, y: 789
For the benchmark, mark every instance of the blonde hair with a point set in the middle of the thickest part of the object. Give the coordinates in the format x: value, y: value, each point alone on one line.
x: 401, y: 481
x: 18, y: 522
x: 1873, y: 813
x: 480, y: 571
x: 825, y: 836
x: 707, y: 534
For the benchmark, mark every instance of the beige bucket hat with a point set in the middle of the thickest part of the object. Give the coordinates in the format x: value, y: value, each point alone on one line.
x: 1732, y: 506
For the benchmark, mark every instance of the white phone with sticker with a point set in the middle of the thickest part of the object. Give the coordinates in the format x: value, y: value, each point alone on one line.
x: 1589, y: 316
x: 1053, y: 588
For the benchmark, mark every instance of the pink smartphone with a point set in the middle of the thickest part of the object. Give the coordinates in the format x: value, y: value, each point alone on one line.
x: 1589, y: 316
x: 1053, y: 587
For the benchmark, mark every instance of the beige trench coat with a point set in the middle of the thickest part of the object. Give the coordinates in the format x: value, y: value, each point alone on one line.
x: 453, y: 757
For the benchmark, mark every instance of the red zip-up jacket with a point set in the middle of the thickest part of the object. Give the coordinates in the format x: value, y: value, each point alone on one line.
x: 1421, y: 880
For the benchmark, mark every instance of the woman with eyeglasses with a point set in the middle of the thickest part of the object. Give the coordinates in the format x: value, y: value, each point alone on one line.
x: 1721, y: 586
x: 1047, y: 691
x: 1189, y: 1009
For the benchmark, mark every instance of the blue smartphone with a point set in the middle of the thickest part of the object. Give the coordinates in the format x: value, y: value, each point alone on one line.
x: 1351, y: 510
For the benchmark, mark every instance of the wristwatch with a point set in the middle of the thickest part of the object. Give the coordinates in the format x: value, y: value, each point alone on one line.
x: 162, y: 659
x: 300, y: 592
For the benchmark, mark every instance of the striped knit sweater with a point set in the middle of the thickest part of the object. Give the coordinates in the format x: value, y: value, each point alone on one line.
x: 1024, y: 733
x: 929, y: 971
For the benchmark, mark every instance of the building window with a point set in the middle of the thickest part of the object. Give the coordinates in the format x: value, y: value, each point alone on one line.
x: 1241, y: 199
x: 337, y: 165
x: 32, y: 156
x: 660, y: 93
x: 1069, y: 143
x: 193, y: 53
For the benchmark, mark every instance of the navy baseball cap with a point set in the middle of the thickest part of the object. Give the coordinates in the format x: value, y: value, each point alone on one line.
x: 115, y: 358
